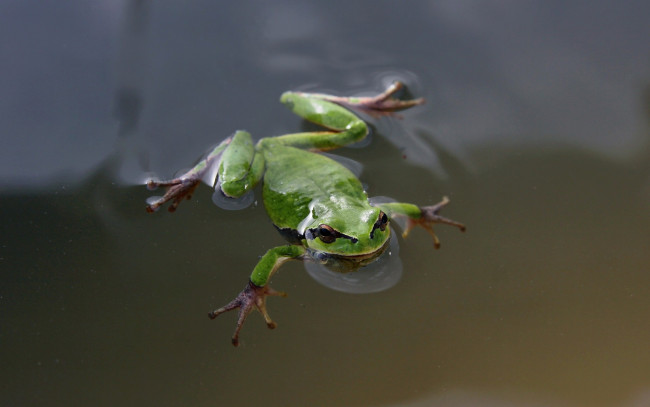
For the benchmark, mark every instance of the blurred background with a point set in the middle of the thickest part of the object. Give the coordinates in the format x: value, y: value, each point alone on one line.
x: 537, y: 127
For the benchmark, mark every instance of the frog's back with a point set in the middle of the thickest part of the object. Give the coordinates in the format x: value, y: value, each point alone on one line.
x: 294, y: 178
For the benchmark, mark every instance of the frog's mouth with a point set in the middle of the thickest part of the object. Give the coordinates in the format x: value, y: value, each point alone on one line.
x: 343, y: 263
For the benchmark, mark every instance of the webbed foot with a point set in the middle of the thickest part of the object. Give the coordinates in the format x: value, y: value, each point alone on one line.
x: 383, y: 104
x: 249, y: 298
x: 183, y: 186
x: 429, y: 217
x: 177, y: 190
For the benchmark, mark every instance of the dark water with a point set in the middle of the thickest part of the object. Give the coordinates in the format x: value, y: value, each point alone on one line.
x: 537, y: 127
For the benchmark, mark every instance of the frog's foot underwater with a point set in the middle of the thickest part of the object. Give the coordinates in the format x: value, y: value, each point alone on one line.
x: 251, y: 297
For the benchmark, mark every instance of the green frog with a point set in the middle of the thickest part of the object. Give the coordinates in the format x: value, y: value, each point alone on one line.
x: 319, y: 205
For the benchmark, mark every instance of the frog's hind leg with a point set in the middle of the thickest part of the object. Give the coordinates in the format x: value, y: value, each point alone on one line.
x: 241, y: 167
x: 383, y: 104
x: 177, y: 191
x: 343, y: 125
x: 233, y: 165
x: 333, y: 112
x: 182, y: 187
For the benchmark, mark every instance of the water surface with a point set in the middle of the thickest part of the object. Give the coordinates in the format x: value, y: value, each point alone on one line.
x: 536, y: 127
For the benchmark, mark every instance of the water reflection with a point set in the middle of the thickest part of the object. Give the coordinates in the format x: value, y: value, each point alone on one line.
x: 128, y: 103
x: 569, y: 77
x: 379, y: 275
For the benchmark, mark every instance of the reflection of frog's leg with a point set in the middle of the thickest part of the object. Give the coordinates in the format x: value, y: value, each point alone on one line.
x: 332, y: 112
x: 424, y: 216
x: 255, y: 293
x: 239, y: 169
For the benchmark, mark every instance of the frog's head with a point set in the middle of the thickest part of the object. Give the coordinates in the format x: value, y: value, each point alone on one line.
x: 349, y: 231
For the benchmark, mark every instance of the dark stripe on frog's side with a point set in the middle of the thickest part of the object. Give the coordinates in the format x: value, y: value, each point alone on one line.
x: 290, y: 235
x: 335, y: 234
x: 342, y: 264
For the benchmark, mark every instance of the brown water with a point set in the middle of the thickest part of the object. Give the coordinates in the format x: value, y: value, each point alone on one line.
x: 536, y: 127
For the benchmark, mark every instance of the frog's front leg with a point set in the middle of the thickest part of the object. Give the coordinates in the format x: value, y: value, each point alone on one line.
x: 425, y: 216
x: 253, y: 296
x: 233, y: 165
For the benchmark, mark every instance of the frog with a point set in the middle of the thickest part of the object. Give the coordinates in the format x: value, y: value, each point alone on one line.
x: 315, y: 202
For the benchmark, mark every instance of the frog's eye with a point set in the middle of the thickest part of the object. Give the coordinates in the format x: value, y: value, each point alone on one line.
x: 326, y: 233
x: 381, y: 223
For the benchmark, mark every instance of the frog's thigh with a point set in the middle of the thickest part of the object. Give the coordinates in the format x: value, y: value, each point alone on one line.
x: 241, y: 167
x: 318, y: 111
x: 345, y: 127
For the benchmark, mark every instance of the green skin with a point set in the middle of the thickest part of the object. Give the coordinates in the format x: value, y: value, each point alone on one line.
x: 310, y: 198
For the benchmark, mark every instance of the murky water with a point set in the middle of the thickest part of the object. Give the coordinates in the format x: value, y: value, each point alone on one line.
x: 537, y: 127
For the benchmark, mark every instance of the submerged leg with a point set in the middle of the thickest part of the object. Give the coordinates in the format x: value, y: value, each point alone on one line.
x: 253, y: 296
x: 425, y: 216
